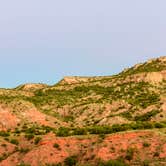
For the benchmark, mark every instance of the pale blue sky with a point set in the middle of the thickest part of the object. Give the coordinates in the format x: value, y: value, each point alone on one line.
x: 44, y: 40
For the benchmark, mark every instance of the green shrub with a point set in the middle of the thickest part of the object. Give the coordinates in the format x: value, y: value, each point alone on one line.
x: 129, y: 154
x: 3, y: 157
x: 14, y: 141
x: 127, y: 115
x: 71, y: 161
x: 52, y: 164
x: 159, y: 125
x: 63, y: 132
x: 23, y: 164
x: 147, y: 116
x: 4, y: 134
x: 79, y: 131
x: 112, y: 163
x: 145, y: 163
x: 37, y: 140
x: 102, y: 130
x: 146, y: 144
x: 68, y: 118
x: 57, y: 146
x: 29, y: 136
x: 24, y: 150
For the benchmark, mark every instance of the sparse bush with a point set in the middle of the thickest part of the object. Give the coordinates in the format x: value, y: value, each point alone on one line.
x: 71, y: 161
x: 126, y: 115
x: 68, y: 118
x: 63, y: 132
x: 159, y: 125
x: 3, y: 157
x: 146, y: 144
x: 129, y: 154
x: 112, y: 163
x: 57, y: 146
x: 79, y: 131
x: 4, y: 134
x: 3, y: 145
x: 23, y: 164
x: 29, y: 136
x: 14, y: 141
x: 24, y: 150
x: 147, y: 116
x: 145, y: 163
x: 102, y: 136
x: 156, y: 154
x: 52, y: 164
x: 37, y: 140
x: 102, y: 130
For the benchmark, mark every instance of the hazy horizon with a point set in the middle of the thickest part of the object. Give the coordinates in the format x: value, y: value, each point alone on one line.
x: 43, y: 41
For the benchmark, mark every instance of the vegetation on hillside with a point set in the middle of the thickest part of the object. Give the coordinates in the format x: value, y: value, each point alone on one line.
x: 98, y: 106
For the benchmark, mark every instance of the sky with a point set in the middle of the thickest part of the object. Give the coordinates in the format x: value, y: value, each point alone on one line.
x: 42, y: 41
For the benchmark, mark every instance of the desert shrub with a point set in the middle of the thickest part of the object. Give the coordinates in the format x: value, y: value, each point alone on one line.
x: 146, y: 144
x: 112, y: 163
x: 142, y: 125
x: 102, y: 136
x: 119, y: 127
x: 159, y: 125
x: 147, y: 125
x: 46, y: 129
x: 23, y: 164
x: 24, y: 150
x: 100, y: 130
x: 51, y: 112
x: 4, y: 134
x: 129, y: 154
x: 37, y: 130
x: 147, y: 116
x: 63, y: 132
x: 57, y: 146
x: 17, y: 131
x: 29, y: 136
x: 79, y: 131
x: 4, y: 145
x: 30, y: 130
x: 39, y: 93
x: 3, y: 157
x: 145, y: 163
x: 156, y: 154
x: 71, y: 161
x: 14, y: 141
x: 127, y: 115
x: 37, y: 140
x: 52, y: 164
x: 144, y: 99
x: 68, y: 118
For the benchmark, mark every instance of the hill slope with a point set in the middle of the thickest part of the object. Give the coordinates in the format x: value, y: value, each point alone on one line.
x: 32, y: 115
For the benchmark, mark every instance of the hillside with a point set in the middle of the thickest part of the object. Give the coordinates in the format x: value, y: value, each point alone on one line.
x: 111, y: 120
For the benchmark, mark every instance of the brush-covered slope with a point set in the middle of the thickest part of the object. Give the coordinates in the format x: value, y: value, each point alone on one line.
x: 32, y: 115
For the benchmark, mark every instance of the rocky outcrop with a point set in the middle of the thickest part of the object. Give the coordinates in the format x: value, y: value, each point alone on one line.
x: 31, y: 87
x: 74, y: 80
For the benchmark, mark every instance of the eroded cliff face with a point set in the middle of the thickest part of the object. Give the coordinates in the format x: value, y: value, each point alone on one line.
x: 31, y: 87
x: 151, y: 77
x: 74, y: 80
